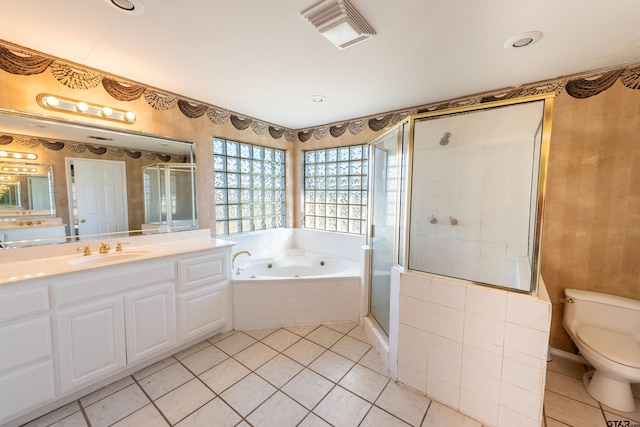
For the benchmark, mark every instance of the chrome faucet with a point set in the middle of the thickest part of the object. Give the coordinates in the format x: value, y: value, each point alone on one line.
x: 234, y: 256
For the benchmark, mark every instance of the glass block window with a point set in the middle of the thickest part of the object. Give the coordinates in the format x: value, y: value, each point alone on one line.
x: 335, y: 189
x: 249, y: 184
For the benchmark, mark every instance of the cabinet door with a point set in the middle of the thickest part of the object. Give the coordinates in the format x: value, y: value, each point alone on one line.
x: 203, y: 310
x: 150, y: 321
x: 91, y: 342
x: 26, y: 389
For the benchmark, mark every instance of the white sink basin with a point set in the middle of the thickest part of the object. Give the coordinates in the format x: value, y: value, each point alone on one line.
x: 107, y: 258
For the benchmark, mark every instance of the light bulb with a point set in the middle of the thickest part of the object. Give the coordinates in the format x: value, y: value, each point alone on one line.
x: 106, y: 111
x: 51, y: 101
x: 82, y: 107
x: 130, y: 116
x: 31, y: 156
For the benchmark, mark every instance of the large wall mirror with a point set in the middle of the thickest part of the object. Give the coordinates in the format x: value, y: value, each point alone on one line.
x: 83, y: 182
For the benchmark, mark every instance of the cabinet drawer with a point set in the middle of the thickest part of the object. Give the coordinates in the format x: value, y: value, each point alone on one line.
x: 25, y: 342
x: 23, y: 303
x: 201, y: 270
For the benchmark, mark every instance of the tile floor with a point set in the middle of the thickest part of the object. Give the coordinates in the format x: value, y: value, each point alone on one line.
x: 567, y: 403
x: 307, y: 375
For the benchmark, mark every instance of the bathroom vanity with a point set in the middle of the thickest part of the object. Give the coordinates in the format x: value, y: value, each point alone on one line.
x: 71, y: 323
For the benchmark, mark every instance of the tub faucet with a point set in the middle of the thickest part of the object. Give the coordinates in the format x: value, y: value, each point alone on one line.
x: 234, y: 256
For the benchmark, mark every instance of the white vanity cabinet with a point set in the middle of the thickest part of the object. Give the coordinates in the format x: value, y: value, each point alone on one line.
x: 203, y: 295
x: 26, y: 357
x: 108, y: 318
x: 63, y: 333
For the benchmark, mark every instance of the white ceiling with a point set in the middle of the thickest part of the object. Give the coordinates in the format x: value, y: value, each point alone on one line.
x: 261, y: 59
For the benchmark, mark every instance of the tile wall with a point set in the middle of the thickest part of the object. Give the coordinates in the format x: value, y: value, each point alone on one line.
x: 479, y: 350
x: 485, y: 187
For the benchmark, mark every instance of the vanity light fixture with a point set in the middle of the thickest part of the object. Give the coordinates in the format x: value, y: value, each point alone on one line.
x: 16, y: 155
x: 18, y: 169
x: 87, y: 109
x: 339, y: 22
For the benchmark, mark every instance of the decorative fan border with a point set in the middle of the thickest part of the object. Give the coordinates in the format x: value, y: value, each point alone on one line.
x: 17, y: 60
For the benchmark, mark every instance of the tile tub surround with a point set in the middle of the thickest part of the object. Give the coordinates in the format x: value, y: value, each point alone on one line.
x: 304, y: 375
x: 477, y: 349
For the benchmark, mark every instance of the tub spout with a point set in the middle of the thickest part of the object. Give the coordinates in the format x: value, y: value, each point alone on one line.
x: 234, y: 256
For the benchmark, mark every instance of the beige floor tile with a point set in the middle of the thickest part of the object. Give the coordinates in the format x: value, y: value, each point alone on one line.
x: 281, y: 339
x: 302, y: 330
x: 219, y: 337
x: 570, y: 387
x: 74, y: 420
x: 403, y: 403
x: 214, y: 414
x: 364, y: 382
x: 342, y: 408
x: 204, y: 359
x: 567, y: 367
x: 304, y: 351
x: 554, y: 423
x: 308, y: 388
x: 116, y: 406
x: 324, y: 336
x: 244, y: 424
x: 192, y: 350
x: 312, y: 420
x: 147, y: 417
x: 350, y: 348
x: 184, y: 400
x: 248, y: 394
x: 106, y: 391
x: 571, y: 411
x: 633, y: 416
x: 377, y: 418
x: 441, y: 415
x: 342, y: 327
x: 224, y: 375
x: 158, y: 366
x: 373, y: 361
x: 55, y: 416
x: 260, y: 334
x: 359, y: 334
x: 278, y: 411
x: 255, y: 356
x: 162, y: 382
x: 331, y: 365
x: 279, y: 370
x: 235, y: 343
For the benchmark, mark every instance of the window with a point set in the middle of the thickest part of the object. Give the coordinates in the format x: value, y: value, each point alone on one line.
x: 335, y: 189
x: 249, y: 187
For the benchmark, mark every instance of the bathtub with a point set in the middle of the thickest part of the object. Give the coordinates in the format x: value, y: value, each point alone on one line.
x: 295, y: 287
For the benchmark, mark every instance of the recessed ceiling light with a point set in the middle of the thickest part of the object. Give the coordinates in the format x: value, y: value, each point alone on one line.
x: 523, y: 40
x: 132, y: 7
x: 318, y: 98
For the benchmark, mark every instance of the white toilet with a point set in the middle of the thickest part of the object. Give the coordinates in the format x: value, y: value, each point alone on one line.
x: 606, y: 330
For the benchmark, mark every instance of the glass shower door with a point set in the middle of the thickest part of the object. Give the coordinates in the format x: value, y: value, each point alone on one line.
x: 382, y: 231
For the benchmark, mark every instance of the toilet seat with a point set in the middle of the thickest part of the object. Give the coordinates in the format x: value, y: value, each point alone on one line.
x: 617, y: 347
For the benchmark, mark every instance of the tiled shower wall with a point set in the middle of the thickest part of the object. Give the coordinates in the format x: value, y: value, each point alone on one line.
x: 486, y: 189
x: 477, y: 349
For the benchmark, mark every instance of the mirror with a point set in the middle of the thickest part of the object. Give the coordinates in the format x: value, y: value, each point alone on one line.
x: 57, y: 190
x: 26, y: 188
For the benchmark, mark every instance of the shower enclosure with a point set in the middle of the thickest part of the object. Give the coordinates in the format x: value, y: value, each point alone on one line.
x: 168, y: 201
x: 458, y: 193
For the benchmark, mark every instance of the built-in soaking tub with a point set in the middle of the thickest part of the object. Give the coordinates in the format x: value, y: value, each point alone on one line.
x: 295, y: 287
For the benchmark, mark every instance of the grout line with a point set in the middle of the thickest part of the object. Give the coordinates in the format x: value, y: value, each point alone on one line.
x: 152, y: 402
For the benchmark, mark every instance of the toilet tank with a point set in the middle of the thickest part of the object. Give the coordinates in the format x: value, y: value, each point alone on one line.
x: 604, y: 311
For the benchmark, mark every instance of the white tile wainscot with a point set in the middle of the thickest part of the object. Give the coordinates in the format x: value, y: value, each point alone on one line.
x: 477, y: 349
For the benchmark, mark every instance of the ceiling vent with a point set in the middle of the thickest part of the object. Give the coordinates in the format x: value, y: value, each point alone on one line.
x: 339, y: 22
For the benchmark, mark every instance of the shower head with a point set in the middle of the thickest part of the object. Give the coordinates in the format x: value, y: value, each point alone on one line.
x: 445, y: 139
